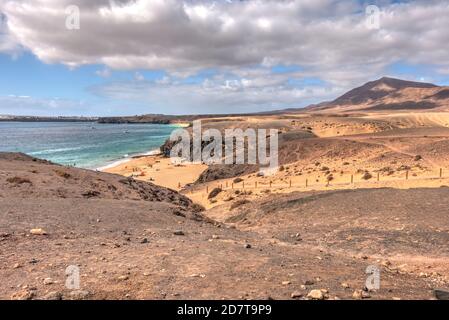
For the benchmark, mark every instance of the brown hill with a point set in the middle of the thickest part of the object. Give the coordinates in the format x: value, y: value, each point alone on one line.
x: 389, y: 94
x: 134, y: 240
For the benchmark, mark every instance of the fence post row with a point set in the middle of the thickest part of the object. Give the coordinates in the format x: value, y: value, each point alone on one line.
x: 407, y: 172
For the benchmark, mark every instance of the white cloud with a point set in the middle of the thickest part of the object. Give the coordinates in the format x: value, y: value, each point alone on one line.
x: 27, y: 105
x: 176, y: 35
x: 138, y: 76
x: 329, y: 39
x: 215, y: 95
x: 104, y: 73
x: 7, y: 42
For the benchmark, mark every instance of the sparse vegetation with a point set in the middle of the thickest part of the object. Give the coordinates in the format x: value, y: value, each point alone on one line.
x: 18, y: 180
x: 387, y: 170
x: 238, y: 203
x: 197, y: 208
x: 367, y: 176
x: 63, y: 174
x: 215, y: 192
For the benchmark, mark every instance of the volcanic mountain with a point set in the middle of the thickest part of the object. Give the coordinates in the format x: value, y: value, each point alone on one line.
x: 389, y: 94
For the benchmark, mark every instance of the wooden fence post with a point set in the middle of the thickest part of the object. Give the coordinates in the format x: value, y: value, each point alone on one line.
x: 270, y: 184
x: 378, y: 176
x: 290, y: 183
x: 406, y: 175
x: 352, y: 178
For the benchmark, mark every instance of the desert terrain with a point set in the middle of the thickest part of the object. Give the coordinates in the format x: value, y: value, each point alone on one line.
x: 357, y: 186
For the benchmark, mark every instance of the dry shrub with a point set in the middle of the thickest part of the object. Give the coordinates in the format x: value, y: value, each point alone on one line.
x: 239, y: 203
x: 214, y: 193
x: 197, y: 208
x: 18, y: 180
x: 367, y: 176
x: 63, y: 174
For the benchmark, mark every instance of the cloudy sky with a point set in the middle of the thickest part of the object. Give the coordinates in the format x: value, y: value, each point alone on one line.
x: 197, y: 56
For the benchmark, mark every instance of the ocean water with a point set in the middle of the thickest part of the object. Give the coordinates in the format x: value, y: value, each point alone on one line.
x: 84, y: 145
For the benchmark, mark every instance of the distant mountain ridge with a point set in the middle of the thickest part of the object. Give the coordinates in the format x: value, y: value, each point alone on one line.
x: 389, y: 94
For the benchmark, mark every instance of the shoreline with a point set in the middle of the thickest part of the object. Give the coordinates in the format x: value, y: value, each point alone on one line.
x: 129, y: 158
x: 158, y: 170
x: 153, y: 167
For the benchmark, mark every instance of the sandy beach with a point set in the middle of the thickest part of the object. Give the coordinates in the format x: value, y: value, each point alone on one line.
x: 159, y: 170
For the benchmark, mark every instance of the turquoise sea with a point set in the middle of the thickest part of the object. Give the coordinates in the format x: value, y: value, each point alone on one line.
x: 82, y: 144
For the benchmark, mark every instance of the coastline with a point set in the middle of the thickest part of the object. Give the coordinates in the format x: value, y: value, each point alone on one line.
x: 159, y: 170
x: 129, y: 158
x: 152, y: 167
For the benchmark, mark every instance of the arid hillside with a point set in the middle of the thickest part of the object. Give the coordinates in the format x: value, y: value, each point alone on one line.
x: 134, y: 240
x: 389, y: 94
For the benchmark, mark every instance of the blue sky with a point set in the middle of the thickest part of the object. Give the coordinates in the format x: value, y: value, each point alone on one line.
x: 144, y: 57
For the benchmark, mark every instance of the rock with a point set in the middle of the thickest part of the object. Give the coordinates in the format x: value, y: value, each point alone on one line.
x: 53, y: 295
x: 296, y: 294
x: 247, y: 246
x: 79, y: 295
x: 144, y: 240
x: 286, y: 283
x: 360, y: 294
x: 386, y: 263
x: 179, y: 233
x: 345, y: 285
x: 365, y: 295
x: 441, y: 294
x: 357, y: 294
x: 196, y: 275
x: 38, y: 232
x: 24, y: 295
x: 316, y: 295
x: 123, y: 278
x: 309, y: 283
x: 16, y: 266
x: 48, y: 281
x: 215, y: 236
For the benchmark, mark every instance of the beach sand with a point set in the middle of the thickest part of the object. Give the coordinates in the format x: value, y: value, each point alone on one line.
x: 159, y: 170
